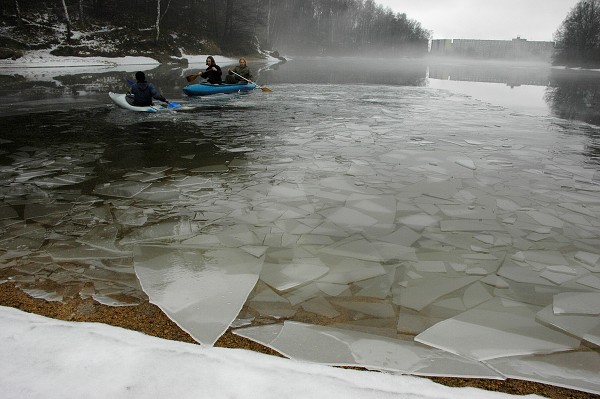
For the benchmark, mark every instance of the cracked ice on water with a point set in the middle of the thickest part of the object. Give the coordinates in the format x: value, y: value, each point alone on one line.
x: 417, y: 243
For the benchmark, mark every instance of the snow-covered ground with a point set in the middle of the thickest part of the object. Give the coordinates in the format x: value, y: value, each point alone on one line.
x: 43, y: 59
x: 57, y: 359
x: 40, y: 65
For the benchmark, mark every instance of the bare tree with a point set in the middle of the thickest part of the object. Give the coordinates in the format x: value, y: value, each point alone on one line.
x: 68, y: 21
x: 269, y: 23
x: 157, y: 24
x: 18, y: 13
x: 228, y: 28
x: 81, y: 15
x: 578, y: 36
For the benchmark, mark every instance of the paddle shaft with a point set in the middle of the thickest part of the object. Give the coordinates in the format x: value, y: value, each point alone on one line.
x: 249, y: 81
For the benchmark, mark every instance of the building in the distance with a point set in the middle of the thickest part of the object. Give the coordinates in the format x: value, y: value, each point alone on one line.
x: 515, y: 49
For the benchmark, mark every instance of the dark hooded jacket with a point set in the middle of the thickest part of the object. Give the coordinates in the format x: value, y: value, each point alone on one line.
x: 212, y: 76
x: 144, y: 92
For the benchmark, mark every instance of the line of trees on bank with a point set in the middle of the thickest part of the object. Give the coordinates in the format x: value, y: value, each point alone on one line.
x: 299, y: 26
x: 578, y: 37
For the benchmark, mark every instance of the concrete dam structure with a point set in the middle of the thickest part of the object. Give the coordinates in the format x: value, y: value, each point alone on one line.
x: 515, y: 49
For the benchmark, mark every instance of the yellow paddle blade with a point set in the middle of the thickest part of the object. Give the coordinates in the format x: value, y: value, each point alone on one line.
x: 266, y: 89
x: 191, y: 78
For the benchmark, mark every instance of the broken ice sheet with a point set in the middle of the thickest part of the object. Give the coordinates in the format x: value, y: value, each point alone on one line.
x: 354, y: 247
x: 32, y: 231
x: 103, y: 237
x: 130, y: 215
x: 37, y: 211
x: 423, y: 291
x: 347, y: 270
x: 349, y: 218
x: 293, y: 273
x: 124, y: 189
x: 178, y: 229
x: 339, y: 347
x: 574, y: 324
x: 546, y: 219
x: 470, y: 225
x: 159, y: 193
x: 419, y: 221
x: 378, y: 287
x: 590, y: 281
x: 496, y: 328
x: 376, y: 309
x: 572, y: 370
x: 203, y: 292
x: 321, y: 307
x: 587, y: 303
x: 593, y: 336
x: 382, y: 207
x: 8, y: 212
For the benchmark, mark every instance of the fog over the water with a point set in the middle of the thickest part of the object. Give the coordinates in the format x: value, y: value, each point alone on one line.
x: 494, y: 20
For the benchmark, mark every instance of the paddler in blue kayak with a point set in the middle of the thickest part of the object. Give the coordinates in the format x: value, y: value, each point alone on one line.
x: 240, y: 74
x: 143, y: 92
x: 213, y: 71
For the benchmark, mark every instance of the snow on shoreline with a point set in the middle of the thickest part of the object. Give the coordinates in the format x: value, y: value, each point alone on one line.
x: 43, y: 59
x: 58, y: 359
x: 40, y: 65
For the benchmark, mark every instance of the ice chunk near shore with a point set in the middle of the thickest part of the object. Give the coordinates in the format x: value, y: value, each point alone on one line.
x: 577, y: 325
x: 577, y: 303
x: 178, y: 229
x: 123, y: 189
x: 201, y: 291
x: 340, y: 347
x: 497, y: 328
x: 572, y: 370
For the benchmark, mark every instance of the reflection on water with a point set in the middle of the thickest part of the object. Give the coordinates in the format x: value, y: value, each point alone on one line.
x: 364, y: 200
x: 510, y: 74
x: 575, y: 95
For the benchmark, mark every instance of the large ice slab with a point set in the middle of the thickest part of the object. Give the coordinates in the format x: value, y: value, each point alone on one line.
x: 577, y: 325
x: 202, y: 292
x: 497, y: 328
x: 577, y: 303
x: 573, y: 370
x: 421, y: 292
x: 340, y: 347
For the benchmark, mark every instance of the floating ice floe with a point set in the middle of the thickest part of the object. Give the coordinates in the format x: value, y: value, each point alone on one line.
x: 202, y: 291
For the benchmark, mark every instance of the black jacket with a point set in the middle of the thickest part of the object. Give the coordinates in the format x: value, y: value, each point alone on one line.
x: 144, y: 92
x: 212, y: 76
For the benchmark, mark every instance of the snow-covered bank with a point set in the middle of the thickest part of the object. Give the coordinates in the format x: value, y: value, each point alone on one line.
x: 43, y: 59
x: 57, y: 359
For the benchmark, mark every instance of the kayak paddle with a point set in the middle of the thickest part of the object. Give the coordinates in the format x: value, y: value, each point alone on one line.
x: 249, y: 81
x: 192, y: 77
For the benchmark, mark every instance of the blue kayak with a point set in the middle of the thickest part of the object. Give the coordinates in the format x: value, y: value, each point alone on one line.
x: 206, y: 89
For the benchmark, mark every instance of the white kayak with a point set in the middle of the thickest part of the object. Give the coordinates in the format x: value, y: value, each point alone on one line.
x: 121, y: 101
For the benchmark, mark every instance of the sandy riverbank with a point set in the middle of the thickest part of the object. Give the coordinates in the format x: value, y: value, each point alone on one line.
x: 149, y: 319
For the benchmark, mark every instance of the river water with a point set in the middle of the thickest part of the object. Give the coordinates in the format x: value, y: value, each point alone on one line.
x: 415, y: 216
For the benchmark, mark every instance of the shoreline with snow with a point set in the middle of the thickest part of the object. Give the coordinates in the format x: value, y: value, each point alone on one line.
x: 56, y: 359
x: 44, y: 59
x: 158, y: 335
